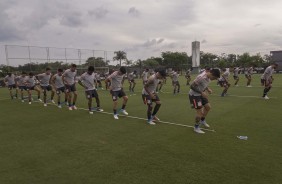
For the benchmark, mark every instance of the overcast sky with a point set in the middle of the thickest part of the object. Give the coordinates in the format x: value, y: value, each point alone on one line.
x: 143, y: 28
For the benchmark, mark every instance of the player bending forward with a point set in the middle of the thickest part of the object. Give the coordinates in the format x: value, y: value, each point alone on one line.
x: 199, y: 98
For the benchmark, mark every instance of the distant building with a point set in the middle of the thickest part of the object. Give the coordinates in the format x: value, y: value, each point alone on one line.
x: 276, y: 56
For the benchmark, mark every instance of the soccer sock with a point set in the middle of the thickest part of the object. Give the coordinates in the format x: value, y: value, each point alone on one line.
x: 265, y: 91
x: 149, y: 112
x: 197, y: 123
x: 115, y: 111
x: 123, y: 106
x: 203, y: 118
x: 156, y: 109
x: 73, y: 103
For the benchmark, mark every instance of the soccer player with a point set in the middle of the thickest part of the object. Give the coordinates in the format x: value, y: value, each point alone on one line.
x: 108, y: 83
x: 131, y: 81
x: 149, y: 92
x: 30, y: 85
x: 266, y: 79
x: 248, y: 75
x: 87, y: 80
x: 59, y: 86
x: 223, y: 81
x: 199, y: 98
x: 98, y: 80
x: 117, y: 79
x: 20, y: 80
x: 44, y: 80
x: 188, y: 77
x: 69, y: 80
x: 160, y: 85
x: 175, y: 82
x: 10, y: 80
x: 145, y: 75
x: 236, y: 75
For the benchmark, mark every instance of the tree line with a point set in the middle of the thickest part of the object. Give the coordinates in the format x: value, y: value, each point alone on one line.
x: 168, y: 59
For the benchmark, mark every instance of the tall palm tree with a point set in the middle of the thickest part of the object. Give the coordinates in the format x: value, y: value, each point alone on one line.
x: 119, y: 55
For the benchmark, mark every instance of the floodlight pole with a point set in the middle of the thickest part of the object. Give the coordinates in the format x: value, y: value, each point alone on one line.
x: 66, y: 55
x: 94, y: 58
x: 7, y: 57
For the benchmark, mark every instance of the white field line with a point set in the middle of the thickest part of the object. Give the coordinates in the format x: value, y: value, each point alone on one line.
x: 134, y: 117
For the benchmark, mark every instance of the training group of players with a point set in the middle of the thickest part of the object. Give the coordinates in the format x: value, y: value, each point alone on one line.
x: 64, y: 82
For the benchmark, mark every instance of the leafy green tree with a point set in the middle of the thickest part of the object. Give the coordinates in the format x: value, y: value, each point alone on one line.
x: 119, y: 56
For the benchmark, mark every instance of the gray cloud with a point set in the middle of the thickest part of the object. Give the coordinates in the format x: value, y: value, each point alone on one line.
x: 99, y: 13
x: 204, y: 41
x: 8, y: 29
x: 257, y: 25
x: 72, y: 19
x: 133, y: 12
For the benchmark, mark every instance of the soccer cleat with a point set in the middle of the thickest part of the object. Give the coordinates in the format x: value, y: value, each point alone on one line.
x: 45, y: 105
x: 249, y: 86
x: 74, y: 107
x: 205, y: 124
x: 53, y: 101
x: 155, y: 118
x: 70, y: 108
x: 123, y: 112
x: 59, y: 106
x: 22, y: 100
x: 29, y: 103
x: 115, y: 116
x: 237, y: 85
x: 99, y: 110
x: 90, y: 112
x: 198, y: 130
x: 150, y: 122
x: 39, y: 100
x: 266, y: 97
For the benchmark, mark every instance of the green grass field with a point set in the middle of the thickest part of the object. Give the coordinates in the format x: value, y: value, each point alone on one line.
x: 51, y: 145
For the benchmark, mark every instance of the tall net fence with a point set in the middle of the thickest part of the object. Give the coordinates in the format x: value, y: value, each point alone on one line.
x: 35, y: 58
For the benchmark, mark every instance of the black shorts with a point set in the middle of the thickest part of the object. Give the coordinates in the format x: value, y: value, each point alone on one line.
x: 46, y: 88
x: 117, y: 94
x: 188, y: 76
x: 91, y: 94
x: 70, y: 88
x: 235, y: 77
x: 197, y: 102
x: 30, y: 88
x: 99, y: 81
x: 223, y: 83
x: 132, y: 81
x: 149, y: 100
x: 265, y: 82
x: 248, y: 76
x: 22, y: 88
x: 13, y: 86
x: 175, y: 83
x: 61, y: 89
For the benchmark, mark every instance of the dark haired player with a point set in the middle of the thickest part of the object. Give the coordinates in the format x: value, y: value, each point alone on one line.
x: 59, y: 86
x: 87, y: 80
x: 30, y: 85
x: 149, y: 93
x: 224, y: 82
x: 10, y: 80
x: 117, y: 79
x: 199, y: 98
x: 266, y: 79
x: 69, y: 81
x: 44, y: 80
